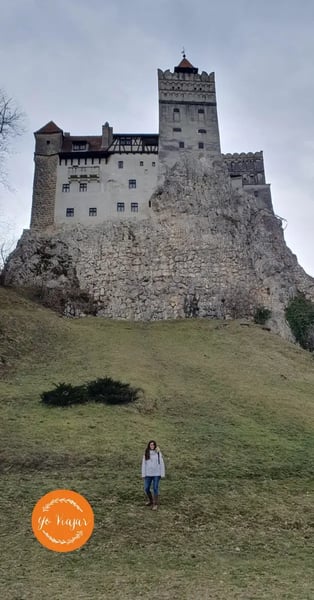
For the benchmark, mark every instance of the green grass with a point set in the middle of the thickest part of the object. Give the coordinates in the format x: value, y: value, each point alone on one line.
x: 232, y: 408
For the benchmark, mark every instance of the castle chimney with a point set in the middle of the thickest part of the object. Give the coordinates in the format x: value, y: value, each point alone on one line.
x: 107, y: 135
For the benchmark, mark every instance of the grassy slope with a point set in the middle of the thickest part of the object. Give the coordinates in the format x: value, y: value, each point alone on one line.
x: 232, y: 409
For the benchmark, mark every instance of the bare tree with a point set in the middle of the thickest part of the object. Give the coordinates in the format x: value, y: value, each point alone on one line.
x: 11, y: 125
x: 7, y: 243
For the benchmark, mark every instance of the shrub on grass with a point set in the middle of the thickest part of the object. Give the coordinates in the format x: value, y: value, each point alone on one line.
x: 104, y: 390
x: 261, y: 315
x: 65, y: 394
x: 300, y: 316
x: 111, y: 392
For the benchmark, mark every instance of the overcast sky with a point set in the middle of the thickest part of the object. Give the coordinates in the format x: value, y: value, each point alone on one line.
x: 82, y: 63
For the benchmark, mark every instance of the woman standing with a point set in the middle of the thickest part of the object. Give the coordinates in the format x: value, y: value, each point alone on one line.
x: 153, y: 469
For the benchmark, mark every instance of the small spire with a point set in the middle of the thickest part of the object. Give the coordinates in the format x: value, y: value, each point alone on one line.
x: 183, y: 52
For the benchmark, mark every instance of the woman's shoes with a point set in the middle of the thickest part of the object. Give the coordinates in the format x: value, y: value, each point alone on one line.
x: 150, y: 499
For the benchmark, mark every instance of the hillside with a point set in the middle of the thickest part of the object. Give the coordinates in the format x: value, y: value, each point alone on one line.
x: 231, y: 407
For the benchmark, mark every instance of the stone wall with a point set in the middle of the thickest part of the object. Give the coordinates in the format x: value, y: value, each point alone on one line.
x: 208, y: 250
x: 188, y: 116
x: 44, y: 194
x: 48, y: 146
x: 250, y: 166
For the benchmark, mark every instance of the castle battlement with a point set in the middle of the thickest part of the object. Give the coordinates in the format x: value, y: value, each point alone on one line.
x: 244, y: 154
x: 248, y: 165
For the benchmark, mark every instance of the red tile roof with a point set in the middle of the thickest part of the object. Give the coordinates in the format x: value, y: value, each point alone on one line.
x: 93, y: 141
x: 50, y: 127
x: 185, y: 64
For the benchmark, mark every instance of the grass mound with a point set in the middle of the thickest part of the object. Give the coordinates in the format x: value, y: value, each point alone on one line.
x: 231, y: 408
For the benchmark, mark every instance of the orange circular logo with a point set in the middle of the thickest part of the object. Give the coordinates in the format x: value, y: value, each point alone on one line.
x: 62, y: 520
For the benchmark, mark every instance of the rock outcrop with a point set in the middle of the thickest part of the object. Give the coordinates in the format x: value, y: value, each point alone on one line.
x: 208, y: 250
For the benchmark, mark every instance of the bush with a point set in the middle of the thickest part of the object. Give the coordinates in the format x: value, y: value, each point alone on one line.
x: 104, y: 390
x: 261, y: 315
x: 65, y: 395
x: 111, y: 392
x: 300, y: 316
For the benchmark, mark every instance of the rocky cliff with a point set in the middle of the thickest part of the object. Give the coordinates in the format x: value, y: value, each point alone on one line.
x: 208, y: 250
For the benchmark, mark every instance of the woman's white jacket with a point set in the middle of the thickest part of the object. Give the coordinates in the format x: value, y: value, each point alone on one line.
x: 155, y: 466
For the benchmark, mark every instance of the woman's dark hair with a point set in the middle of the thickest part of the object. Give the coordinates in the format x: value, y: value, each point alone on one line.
x: 147, y: 451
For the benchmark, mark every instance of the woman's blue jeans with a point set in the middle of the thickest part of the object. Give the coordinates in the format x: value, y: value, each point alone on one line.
x: 148, y: 481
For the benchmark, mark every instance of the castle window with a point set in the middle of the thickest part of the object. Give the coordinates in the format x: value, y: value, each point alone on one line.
x: 255, y: 194
x: 70, y: 212
x: 177, y: 129
x: 149, y: 203
x: 65, y: 187
x: 125, y: 141
x: 202, y: 131
x: 120, y: 206
x: 201, y: 114
x: 93, y: 212
x: 141, y: 163
x: 153, y: 164
x: 200, y: 145
x: 134, y: 207
x: 120, y: 164
x: 181, y: 144
x: 132, y: 183
x: 176, y: 114
x: 79, y: 146
x: 83, y: 187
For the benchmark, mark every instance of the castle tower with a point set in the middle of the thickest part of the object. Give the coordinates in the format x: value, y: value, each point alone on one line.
x: 188, y: 122
x: 47, y: 147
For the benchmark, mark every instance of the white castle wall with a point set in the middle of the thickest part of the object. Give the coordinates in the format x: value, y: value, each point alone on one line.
x: 111, y: 187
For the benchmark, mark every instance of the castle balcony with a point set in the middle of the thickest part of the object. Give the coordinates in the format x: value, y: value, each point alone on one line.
x: 83, y: 173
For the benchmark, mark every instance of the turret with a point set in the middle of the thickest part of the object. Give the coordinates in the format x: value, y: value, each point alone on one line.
x: 48, y: 145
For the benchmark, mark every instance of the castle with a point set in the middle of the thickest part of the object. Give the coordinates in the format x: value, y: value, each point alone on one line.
x: 150, y: 227
x: 90, y: 179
